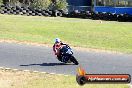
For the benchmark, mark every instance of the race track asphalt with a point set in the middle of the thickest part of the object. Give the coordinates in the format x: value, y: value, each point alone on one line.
x: 40, y: 58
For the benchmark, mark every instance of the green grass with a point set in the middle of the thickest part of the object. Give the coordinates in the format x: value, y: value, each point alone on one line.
x: 115, y: 36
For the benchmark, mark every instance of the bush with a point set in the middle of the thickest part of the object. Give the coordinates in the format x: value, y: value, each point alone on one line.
x: 61, y: 5
x: 14, y: 2
x: 1, y: 2
x: 41, y: 4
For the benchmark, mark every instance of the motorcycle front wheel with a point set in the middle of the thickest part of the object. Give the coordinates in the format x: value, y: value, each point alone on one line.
x: 73, y: 59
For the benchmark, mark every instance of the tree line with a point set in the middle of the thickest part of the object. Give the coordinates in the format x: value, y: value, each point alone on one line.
x: 41, y: 4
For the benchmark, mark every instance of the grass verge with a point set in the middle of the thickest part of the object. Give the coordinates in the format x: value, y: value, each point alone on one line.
x: 21, y: 79
x: 107, y: 35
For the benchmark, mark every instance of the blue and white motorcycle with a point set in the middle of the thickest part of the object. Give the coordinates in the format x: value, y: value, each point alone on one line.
x: 67, y: 55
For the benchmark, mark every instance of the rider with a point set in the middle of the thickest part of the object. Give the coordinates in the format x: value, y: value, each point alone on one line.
x: 57, y: 46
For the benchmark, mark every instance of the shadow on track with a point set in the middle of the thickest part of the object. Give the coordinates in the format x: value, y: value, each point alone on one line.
x: 47, y: 64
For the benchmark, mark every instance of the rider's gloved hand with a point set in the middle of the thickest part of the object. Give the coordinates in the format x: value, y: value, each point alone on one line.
x: 57, y: 53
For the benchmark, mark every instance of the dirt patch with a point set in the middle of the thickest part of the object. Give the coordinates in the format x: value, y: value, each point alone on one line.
x: 15, y: 79
x: 9, y: 79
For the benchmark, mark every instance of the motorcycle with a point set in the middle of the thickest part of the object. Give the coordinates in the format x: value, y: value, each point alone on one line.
x: 67, y: 55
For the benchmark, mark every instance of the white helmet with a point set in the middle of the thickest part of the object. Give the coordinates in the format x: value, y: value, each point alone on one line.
x: 57, y: 40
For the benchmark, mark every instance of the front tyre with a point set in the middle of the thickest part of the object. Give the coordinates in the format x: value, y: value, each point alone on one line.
x: 73, y: 59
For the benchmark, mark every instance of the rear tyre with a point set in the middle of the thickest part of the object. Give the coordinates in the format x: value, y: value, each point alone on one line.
x: 73, y: 59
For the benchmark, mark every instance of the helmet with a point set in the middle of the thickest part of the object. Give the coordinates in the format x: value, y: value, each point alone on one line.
x: 57, y: 40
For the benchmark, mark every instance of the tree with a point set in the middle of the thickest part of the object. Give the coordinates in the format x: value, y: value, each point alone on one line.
x: 130, y: 3
x: 42, y: 4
